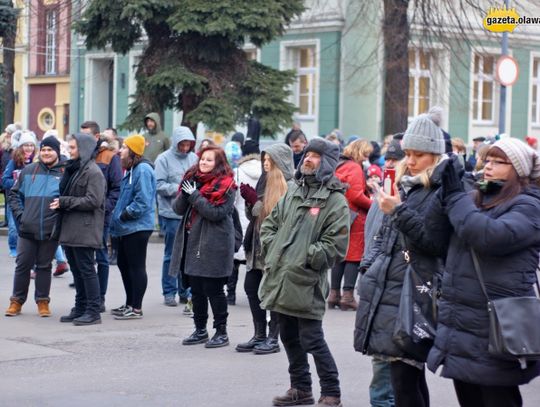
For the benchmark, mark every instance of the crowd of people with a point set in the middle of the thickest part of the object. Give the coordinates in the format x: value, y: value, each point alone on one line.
x: 311, y: 220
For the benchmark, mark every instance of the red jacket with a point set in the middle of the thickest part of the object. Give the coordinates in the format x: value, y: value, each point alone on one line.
x: 350, y: 172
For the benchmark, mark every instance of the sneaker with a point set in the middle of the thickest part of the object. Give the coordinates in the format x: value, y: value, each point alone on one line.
x: 170, y: 301
x: 130, y: 313
x: 120, y: 310
x: 61, y: 268
x: 188, y: 309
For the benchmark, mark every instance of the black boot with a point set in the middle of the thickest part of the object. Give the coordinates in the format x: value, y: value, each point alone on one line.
x: 87, y: 319
x: 258, y: 338
x: 231, y: 284
x: 74, y: 313
x: 271, y: 345
x: 199, y: 336
x: 219, y: 339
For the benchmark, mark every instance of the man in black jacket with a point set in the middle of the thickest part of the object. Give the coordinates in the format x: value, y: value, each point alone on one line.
x: 82, y: 208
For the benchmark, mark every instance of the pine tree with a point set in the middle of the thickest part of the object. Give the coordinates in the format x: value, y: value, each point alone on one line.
x: 193, y: 60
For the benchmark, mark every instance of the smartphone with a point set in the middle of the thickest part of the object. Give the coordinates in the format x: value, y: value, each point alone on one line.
x: 389, y: 179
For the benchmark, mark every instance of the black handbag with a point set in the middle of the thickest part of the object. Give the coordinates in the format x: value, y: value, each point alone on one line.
x: 415, y: 326
x: 514, y: 324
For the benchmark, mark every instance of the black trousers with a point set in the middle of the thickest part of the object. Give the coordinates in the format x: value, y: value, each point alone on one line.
x: 204, y: 290
x: 347, y: 269
x: 81, y: 263
x: 475, y: 395
x: 30, y: 253
x: 301, y: 336
x: 132, y: 265
x: 409, y: 384
x: 251, y: 287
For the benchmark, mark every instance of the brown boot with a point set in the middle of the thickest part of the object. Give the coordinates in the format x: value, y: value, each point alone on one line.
x: 43, y: 308
x: 347, y: 301
x: 333, y: 299
x: 327, y: 401
x: 14, y: 309
x: 294, y: 397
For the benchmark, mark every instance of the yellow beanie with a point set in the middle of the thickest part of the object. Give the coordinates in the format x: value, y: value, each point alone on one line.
x: 136, y: 143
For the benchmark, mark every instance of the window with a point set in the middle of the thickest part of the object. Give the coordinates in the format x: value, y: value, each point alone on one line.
x: 251, y: 54
x: 420, y: 65
x: 304, y: 61
x: 484, y: 89
x: 50, y: 42
x: 535, y: 106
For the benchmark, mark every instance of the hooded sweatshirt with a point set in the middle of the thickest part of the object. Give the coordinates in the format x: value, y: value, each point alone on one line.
x: 156, y: 140
x: 170, y: 169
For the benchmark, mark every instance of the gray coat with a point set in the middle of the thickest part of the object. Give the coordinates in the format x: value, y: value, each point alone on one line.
x: 82, y: 205
x: 209, y: 248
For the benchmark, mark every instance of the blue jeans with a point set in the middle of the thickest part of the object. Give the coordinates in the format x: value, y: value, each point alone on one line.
x: 170, y: 285
x: 381, y: 393
x: 102, y: 260
x: 59, y: 255
x: 12, y: 230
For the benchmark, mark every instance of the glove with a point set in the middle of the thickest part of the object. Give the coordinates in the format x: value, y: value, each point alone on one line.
x: 188, y: 187
x: 124, y: 216
x: 248, y: 193
x: 451, y: 181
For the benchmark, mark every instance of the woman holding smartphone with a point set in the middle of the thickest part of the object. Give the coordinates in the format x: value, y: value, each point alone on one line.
x: 403, y: 239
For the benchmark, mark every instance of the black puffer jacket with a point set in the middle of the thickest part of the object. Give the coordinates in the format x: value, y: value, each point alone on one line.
x: 507, y: 241
x: 426, y: 239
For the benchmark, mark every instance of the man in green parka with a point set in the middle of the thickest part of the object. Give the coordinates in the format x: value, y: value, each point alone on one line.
x: 157, y: 141
x: 306, y: 233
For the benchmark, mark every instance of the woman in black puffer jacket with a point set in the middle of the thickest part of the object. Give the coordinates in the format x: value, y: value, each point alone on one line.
x: 405, y: 228
x: 501, y: 222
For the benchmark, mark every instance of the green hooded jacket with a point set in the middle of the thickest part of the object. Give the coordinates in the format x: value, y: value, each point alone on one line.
x: 156, y: 140
x: 303, y: 237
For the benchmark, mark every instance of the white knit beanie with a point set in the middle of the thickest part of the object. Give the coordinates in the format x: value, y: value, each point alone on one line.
x: 524, y: 159
x: 28, y: 137
x: 424, y: 135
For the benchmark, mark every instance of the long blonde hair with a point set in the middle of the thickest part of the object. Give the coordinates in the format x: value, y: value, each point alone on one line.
x: 358, y: 150
x: 401, y: 170
x: 276, y: 187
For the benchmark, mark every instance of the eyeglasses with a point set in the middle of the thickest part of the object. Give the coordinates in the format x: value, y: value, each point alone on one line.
x: 495, y: 163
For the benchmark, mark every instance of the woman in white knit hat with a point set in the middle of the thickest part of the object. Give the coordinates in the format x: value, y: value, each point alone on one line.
x: 23, y: 155
x: 500, y: 222
x: 402, y: 239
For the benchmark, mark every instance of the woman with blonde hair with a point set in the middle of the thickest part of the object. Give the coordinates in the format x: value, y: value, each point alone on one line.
x: 349, y: 171
x: 403, y: 242
x: 278, y: 170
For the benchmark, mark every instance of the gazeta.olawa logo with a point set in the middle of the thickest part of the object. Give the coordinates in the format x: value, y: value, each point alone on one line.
x: 501, y: 19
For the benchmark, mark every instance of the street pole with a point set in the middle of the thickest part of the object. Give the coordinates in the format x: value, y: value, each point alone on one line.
x: 502, y: 104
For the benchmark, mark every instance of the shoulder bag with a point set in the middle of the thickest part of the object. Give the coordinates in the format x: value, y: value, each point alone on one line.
x: 514, y: 324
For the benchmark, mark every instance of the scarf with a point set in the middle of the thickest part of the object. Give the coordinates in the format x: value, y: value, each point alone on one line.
x: 72, y: 166
x: 213, y: 188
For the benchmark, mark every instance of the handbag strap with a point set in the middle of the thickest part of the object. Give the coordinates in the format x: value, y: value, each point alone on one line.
x: 478, y: 270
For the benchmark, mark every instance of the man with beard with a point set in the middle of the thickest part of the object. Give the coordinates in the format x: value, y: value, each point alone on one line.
x: 306, y: 233
x: 82, y: 210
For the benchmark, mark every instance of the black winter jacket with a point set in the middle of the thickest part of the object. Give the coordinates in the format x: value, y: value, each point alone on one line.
x: 507, y: 241
x: 209, y: 248
x: 426, y: 239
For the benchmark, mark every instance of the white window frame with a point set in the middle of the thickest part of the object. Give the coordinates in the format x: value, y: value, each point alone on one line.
x: 287, y: 61
x: 415, y: 73
x: 249, y: 47
x: 480, y: 77
x: 92, y: 77
x: 51, y: 28
x: 535, y: 82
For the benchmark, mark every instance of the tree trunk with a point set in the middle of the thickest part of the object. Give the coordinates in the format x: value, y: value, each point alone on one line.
x: 189, y: 103
x: 396, y: 64
x: 9, y: 70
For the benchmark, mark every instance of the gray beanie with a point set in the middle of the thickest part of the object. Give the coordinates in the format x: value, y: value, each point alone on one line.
x: 423, y: 135
x: 523, y: 158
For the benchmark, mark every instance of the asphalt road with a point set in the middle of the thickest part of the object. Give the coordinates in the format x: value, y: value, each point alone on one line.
x: 142, y: 362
